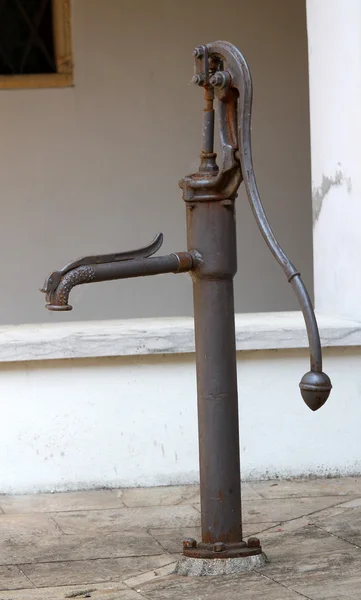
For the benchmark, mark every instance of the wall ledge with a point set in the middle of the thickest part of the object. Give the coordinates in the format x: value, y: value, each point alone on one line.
x: 134, y: 337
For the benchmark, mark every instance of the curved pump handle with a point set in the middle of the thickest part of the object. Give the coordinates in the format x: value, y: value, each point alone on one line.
x: 53, y: 280
x: 233, y: 73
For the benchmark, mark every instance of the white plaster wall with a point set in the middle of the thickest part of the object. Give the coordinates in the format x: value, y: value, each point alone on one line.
x: 334, y: 32
x: 128, y: 421
x: 96, y: 168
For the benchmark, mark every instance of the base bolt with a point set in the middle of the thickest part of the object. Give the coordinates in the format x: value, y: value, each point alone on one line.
x: 189, y: 543
x: 253, y: 542
x: 219, y: 547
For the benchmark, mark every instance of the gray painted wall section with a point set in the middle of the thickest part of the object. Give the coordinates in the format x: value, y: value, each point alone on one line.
x: 95, y: 168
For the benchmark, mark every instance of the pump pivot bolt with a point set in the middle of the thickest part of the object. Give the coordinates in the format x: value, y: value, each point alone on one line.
x: 221, y: 79
x: 198, y: 52
x: 198, y: 79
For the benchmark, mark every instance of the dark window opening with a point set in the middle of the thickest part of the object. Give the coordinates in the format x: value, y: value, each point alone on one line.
x: 26, y: 37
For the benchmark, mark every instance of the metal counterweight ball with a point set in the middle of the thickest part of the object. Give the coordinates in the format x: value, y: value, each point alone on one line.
x: 315, y: 389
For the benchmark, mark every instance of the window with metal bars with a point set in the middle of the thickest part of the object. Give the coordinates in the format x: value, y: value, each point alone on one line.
x: 35, y: 43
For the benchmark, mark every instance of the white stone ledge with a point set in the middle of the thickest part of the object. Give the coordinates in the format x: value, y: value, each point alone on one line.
x: 131, y: 337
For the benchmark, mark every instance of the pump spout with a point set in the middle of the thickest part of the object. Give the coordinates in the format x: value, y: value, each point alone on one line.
x: 91, y: 269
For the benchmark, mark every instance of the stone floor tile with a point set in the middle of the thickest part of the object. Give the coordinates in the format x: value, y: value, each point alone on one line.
x: 355, y: 503
x: 344, y: 588
x: 327, y: 513
x: 86, y: 572
x: 83, y: 546
x: 284, y: 509
x: 248, y: 492
x: 127, y: 519
x: 134, y: 582
x: 250, y: 529
x: 195, y: 499
x: 11, y: 578
x: 159, y: 496
x: 346, y: 524
x: 287, y: 526
x: 69, y: 501
x: 281, y: 546
x: 108, y: 591
x: 279, y: 510
x: 127, y: 595
x: 322, y: 576
x: 248, y: 586
x: 344, y: 486
x: 12, y: 526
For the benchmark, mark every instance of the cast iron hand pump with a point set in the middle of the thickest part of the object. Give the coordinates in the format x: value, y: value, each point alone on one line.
x: 211, y: 259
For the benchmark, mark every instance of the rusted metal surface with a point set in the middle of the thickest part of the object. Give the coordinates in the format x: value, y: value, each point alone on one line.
x: 253, y: 542
x: 189, y: 543
x: 221, y: 550
x: 53, y: 280
x: 209, y: 195
x: 58, y: 299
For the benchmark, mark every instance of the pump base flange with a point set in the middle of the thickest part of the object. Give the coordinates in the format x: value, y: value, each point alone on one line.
x: 221, y: 550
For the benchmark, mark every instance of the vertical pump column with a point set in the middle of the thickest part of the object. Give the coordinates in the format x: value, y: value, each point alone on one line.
x: 211, y: 231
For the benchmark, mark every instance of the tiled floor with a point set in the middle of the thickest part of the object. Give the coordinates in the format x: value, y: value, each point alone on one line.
x: 122, y: 544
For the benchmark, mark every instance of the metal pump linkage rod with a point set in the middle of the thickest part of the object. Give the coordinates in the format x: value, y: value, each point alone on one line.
x: 211, y: 259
